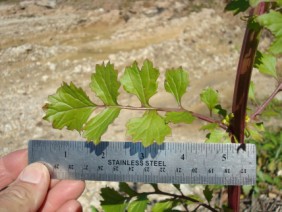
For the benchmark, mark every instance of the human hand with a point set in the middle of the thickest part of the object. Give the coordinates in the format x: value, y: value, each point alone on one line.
x: 29, y: 187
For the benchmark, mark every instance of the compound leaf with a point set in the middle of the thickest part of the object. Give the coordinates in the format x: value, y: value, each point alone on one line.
x: 209, y: 97
x: 179, y: 117
x: 266, y: 64
x: 98, y: 125
x: 113, y: 201
x: 142, y: 83
x: 104, y: 82
x: 69, y: 107
x: 273, y: 22
x: 138, y: 205
x: 176, y: 83
x: 237, y: 6
x: 148, y: 128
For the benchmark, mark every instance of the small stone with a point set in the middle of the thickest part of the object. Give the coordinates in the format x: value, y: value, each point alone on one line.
x: 45, y: 78
x: 51, y: 66
x: 272, y: 195
x: 25, y: 4
x: 150, y: 12
x: 50, y: 4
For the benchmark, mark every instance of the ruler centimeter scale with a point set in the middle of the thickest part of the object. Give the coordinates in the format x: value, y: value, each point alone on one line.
x: 177, y: 163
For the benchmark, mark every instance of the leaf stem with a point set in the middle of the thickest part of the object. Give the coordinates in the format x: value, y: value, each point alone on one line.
x: 180, y: 109
x: 181, y: 197
x: 261, y: 108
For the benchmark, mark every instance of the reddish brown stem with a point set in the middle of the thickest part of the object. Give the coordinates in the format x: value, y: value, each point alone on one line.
x: 267, y: 101
x: 243, y: 78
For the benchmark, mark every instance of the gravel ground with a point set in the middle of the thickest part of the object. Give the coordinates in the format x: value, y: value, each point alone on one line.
x: 41, y: 46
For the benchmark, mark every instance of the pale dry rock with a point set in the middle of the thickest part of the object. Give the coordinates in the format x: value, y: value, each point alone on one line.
x: 40, y: 48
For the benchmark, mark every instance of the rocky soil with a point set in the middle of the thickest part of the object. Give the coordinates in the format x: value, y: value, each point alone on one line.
x: 42, y: 45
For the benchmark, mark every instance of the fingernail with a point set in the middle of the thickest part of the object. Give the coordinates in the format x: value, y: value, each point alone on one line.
x: 32, y: 173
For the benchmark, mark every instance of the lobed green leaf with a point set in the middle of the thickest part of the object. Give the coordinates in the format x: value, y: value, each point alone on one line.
x: 273, y: 22
x: 179, y: 117
x: 148, y: 128
x: 98, y: 125
x: 209, y: 97
x: 176, y: 83
x: 165, y: 205
x: 113, y: 201
x: 142, y: 83
x: 69, y: 107
x: 218, y: 136
x: 104, y: 82
x: 209, y: 126
x: 139, y: 205
x: 266, y: 64
x: 276, y: 46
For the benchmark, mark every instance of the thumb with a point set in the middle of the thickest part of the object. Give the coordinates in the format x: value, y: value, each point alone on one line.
x: 28, y: 192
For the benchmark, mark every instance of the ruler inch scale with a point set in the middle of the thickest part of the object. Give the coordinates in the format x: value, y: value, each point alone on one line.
x: 177, y: 163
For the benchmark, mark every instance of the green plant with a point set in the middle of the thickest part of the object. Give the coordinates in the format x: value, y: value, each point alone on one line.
x: 269, y: 162
x: 70, y: 107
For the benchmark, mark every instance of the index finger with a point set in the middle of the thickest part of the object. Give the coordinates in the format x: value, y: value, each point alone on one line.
x: 11, y: 165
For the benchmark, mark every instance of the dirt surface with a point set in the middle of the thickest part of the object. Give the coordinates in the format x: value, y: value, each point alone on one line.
x: 41, y: 46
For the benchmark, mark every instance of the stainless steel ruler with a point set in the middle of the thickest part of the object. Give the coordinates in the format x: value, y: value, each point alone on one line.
x: 178, y: 163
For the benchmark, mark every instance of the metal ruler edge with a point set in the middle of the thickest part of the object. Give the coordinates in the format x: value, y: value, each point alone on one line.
x: 171, y: 162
